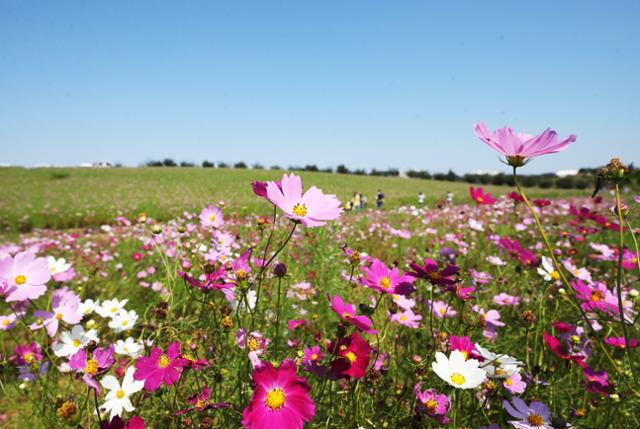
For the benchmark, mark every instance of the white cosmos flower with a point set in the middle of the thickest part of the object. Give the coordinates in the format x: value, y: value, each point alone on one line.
x: 458, y: 372
x: 498, y: 366
x: 72, y: 341
x: 548, y: 271
x: 123, y: 321
x: 110, y: 307
x: 57, y: 266
x: 88, y: 307
x: 128, y: 347
x: 117, y: 398
x: 251, y: 299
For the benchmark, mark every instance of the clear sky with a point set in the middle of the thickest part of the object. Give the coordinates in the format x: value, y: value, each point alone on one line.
x: 365, y: 83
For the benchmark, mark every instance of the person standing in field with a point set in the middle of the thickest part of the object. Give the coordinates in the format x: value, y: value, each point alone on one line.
x: 421, y: 198
x: 363, y: 201
x: 355, y: 201
x: 379, y: 199
x: 449, y: 197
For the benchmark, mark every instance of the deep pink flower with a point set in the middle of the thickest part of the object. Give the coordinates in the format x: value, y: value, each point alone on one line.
x: 311, y: 209
x: 383, y: 279
x: 619, y: 343
x: 596, y: 381
x: 435, y: 405
x: 281, y: 399
x: 353, y: 357
x: 160, y: 367
x: 429, y: 272
x: 519, y: 148
x: 347, y: 312
x: 27, y: 354
x: 91, y: 364
x: 465, y: 346
x: 480, y: 197
x: 595, y: 297
x: 25, y: 276
x: 200, y: 402
x: 116, y: 422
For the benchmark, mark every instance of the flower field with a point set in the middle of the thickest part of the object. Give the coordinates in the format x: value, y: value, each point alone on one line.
x: 285, y: 311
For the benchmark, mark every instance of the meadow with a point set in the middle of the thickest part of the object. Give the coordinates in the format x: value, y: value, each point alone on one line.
x: 195, y: 298
x: 78, y: 197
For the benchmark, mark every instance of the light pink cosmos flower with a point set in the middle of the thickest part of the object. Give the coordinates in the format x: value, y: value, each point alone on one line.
x: 514, y: 383
x: 580, y: 273
x: 442, y: 310
x: 347, y: 312
x: 90, y: 364
x: 311, y: 209
x: 25, y: 275
x: 211, y: 217
x: 519, y: 148
x: 255, y: 343
x: 490, y: 322
x: 64, y: 306
x: 506, y: 299
x: 595, y: 296
x: 407, y: 318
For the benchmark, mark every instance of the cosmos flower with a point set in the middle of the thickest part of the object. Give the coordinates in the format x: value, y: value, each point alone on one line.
x: 534, y: 416
x: 383, y: 279
x: 347, y: 312
x: 90, y: 364
x: 211, y: 217
x: 548, y: 270
x: 255, y: 343
x: 519, y: 148
x: 25, y: 276
x: 458, y: 372
x: 27, y: 354
x: 280, y: 400
x: 595, y: 296
x: 430, y: 402
x: 429, y: 272
x: 353, y: 357
x: 442, y: 310
x: 128, y: 347
x: 117, y: 399
x: 619, y: 343
x: 478, y: 195
x: 514, y: 384
x: 64, y: 306
x: 200, y: 402
x: 111, y: 307
x: 463, y: 345
x: 160, y: 367
x: 313, y: 208
x: 71, y: 342
x: 498, y: 365
x: 407, y: 318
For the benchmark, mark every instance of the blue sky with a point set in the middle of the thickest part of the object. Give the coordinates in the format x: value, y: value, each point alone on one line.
x: 364, y: 83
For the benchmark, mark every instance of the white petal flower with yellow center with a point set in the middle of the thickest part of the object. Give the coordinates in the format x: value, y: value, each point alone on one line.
x: 458, y: 372
x: 72, y: 341
x: 117, y: 398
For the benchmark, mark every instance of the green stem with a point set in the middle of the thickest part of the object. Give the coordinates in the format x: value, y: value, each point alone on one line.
x: 619, y: 277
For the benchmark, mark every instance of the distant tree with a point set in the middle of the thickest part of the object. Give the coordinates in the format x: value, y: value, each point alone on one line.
x: 327, y: 170
x: 451, y: 176
x: 207, y: 164
x: 187, y: 164
x: 310, y: 167
x: 529, y: 181
x: 545, y: 183
x: 223, y: 165
x: 498, y: 179
x: 168, y: 162
x: 440, y: 176
x: 154, y: 163
x: 470, y: 178
x: 257, y: 166
x: 360, y: 172
x: 565, y: 182
x: 275, y: 167
x: 341, y: 169
x: 240, y: 165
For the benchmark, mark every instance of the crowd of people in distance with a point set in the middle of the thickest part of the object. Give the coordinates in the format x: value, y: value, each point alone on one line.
x: 359, y: 201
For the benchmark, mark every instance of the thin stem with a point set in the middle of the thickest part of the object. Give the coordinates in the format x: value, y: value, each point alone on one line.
x: 619, y: 277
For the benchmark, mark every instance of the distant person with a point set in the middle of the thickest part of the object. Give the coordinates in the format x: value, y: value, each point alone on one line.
x: 348, y: 206
x: 356, y: 201
x: 379, y: 199
x: 449, y: 197
x: 421, y: 198
x: 363, y: 202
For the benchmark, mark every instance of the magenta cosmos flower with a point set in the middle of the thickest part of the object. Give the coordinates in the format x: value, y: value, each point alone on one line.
x: 25, y: 276
x: 432, y: 403
x: 519, y: 148
x: 347, y: 312
x: 160, y: 367
x: 480, y: 197
x: 383, y: 279
x: 91, y: 364
x: 281, y: 399
x: 313, y: 208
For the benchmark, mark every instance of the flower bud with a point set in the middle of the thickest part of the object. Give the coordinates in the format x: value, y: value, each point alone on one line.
x: 280, y: 270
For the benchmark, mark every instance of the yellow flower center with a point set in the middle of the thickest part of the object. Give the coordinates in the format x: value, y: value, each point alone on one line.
x: 385, y: 282
x: 403, y: 318
x: 431, y: 406
x: 346, y: 314
x: 164, y: 361
x: 59, y: 316
x: 508, y: 382
x: 500, y: 372
x: 535, y: 420
x: 314, y: 357
x: 480, y: 199
x: 120, y: 394
x: 350, y: 356
x: 442, y: 311
x: 20, y: 280
x: 6, y: 322
x: 125, y: 322
x: 596, y: 296
x: 458, y: 378
x: 555, y: 275
x: 212, y: 218
x: 275, y: 399
x: 114, y: 309
x: 29, y: 357
x: 253, y: 345
x: 241, y: 274
x: 465, y: 354
x: 299, y: 210
x: 76, y: 343
x: 92, y: 367
x: 200, y: 404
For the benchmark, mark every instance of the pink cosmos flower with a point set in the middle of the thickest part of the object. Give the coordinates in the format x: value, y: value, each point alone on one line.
x: 255, y: 343
x: 90, y: 364
x: 429, y: 272
x: 354, y: 354
x: 514, y: 384
x: 465, y: 346
x: 25, y: 276
x: 29, y: 353
x: 160, y: 367
x: 478, y: 195
x: 442, y: 310
x: 200, y: 402
x: 64, y: 304
x: 619, y: 343
x: 311, y: 209
x: 407, y: 318
x: 596, y: 381
x: 434, y: 404
x: 379, y: 277
x: 211, y: 217
x: 281, y: 399
x: 519, y: 148
x: 347, y: 312
x: 506, y: 299
x: 490, y: 322
x: 595, y: 297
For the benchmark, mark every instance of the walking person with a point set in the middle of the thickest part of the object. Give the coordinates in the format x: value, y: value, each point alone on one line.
x: 421, y: 198
x: 379, y: 199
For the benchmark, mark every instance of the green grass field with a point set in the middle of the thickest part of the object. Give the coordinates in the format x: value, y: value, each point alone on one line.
x: 78, y: 197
